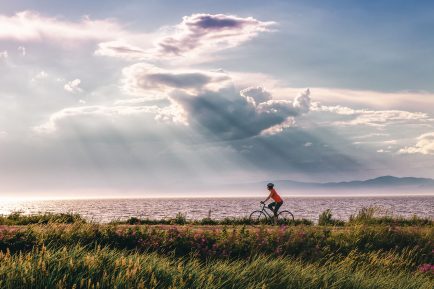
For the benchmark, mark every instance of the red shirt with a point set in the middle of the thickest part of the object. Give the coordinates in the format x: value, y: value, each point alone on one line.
x: 275, y: 196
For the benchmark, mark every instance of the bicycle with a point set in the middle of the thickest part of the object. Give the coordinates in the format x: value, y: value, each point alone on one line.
x: 266, y: 215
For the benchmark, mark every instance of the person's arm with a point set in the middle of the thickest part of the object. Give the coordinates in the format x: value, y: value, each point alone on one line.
x: 269, y: 196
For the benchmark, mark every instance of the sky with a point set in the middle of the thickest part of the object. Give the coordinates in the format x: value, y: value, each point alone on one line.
x: 141, y: 98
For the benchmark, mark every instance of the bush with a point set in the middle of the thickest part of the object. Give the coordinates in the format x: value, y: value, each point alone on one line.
x: 180, y: 219
x: 326, y: 218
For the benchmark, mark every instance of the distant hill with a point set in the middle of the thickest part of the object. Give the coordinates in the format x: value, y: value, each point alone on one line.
x: 383, y: 183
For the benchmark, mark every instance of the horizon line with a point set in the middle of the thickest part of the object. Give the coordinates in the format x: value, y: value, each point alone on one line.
x: 153, y: 197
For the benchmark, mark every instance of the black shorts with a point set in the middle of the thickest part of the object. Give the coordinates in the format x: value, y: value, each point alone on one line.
x: 275, y: 206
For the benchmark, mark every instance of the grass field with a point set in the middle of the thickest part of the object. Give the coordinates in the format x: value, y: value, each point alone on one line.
x: 57, y: 251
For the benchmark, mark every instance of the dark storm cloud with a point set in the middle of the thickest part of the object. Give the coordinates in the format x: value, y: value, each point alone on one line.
x: 227, y: 114
x: 211, y: 103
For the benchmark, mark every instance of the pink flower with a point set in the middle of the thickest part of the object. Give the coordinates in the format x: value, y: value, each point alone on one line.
x: 426, y: 268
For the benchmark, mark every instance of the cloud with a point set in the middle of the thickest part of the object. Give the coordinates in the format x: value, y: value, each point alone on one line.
x: 278, y: 128
x: 210, y: 101
x: 121, y: 49
x: 424, y: 145
x: 149, y: 81
x: 208, y: 33
x: 371, y: 135
x: 256, y: 94
x: 374, y: 100
x: 302, y: 102
x: 375, y: 118
x: 206, y: 100
x: 73, y: 86
x: 87, y: 115
x: 30, y: 26
x: 196, y: 34
x: 227, y: 114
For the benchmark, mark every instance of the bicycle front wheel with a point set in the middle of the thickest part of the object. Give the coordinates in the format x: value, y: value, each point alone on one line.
x: 257, y: 217
x: 286, y: 216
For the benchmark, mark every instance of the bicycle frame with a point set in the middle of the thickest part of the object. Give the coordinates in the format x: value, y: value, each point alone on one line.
x: 266, y: 210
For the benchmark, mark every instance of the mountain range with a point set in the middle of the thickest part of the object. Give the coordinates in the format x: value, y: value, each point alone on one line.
x: 383, y: 183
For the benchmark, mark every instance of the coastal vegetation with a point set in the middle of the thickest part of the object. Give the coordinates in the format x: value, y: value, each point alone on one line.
x: 18, y: 218
x: 367, y: 251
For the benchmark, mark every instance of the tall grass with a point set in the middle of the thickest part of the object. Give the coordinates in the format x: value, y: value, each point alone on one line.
x: 18, y: 218
x: 368, y: 251
x: 309, y: 243
x: 372, y: 216
x: 103, y: 267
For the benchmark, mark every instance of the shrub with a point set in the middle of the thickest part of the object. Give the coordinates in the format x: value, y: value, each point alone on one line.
x: 180, y: 219
x: 326, y: 218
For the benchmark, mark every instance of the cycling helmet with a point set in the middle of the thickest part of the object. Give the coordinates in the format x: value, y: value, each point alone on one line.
x: 270, y: 185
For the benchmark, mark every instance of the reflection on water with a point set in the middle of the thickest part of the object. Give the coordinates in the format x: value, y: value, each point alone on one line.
x: 104, y: 210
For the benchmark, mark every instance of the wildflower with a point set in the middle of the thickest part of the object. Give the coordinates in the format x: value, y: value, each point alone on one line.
x: 424, y: 268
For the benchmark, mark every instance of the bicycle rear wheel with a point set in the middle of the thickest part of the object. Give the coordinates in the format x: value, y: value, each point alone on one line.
x: 257, y: 217
x: 285, y: 216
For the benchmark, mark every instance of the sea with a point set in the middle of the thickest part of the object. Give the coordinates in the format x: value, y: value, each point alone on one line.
x: 106, y: 210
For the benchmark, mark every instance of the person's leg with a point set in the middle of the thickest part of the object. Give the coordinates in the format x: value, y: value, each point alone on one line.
x: 271, y: 206
x: 277, y: 207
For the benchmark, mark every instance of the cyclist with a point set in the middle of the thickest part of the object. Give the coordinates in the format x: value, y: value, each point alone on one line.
x: 274, y: 206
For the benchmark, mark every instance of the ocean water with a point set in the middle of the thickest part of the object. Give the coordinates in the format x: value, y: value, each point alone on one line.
x: 105, y: 210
